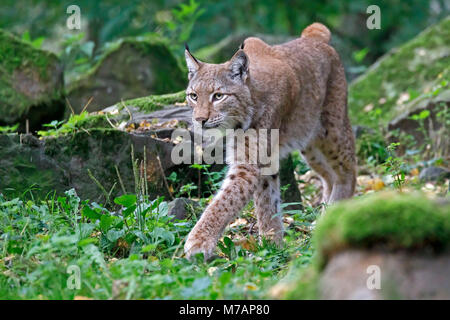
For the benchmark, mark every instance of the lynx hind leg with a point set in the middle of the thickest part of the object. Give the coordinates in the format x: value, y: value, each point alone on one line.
x: 319, y: 163
x: 267, y: 207
x: 339, y: 162
x: 335, y: 139
x: 343, y: 162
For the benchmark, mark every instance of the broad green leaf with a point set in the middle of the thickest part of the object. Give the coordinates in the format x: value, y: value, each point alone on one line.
x: 127, y: 200
x: 90, y: 213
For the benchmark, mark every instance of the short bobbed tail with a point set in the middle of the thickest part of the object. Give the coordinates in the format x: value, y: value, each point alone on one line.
x: 317, y: 31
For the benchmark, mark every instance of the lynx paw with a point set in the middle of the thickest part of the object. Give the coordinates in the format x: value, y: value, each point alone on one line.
x: 195, y: 244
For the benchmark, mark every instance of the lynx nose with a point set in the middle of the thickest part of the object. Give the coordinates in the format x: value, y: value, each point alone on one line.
x: 202, y: 120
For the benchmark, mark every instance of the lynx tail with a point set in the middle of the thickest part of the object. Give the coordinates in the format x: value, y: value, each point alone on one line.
x: 317, y: 31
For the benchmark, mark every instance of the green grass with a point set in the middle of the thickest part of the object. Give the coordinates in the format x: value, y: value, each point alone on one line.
x: 132, y: 252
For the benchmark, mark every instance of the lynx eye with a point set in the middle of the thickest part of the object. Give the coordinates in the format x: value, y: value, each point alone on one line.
x: 218, y: 96
x: 193, y: 96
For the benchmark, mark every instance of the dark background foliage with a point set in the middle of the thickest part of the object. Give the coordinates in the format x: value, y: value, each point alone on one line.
x: 204, y: 22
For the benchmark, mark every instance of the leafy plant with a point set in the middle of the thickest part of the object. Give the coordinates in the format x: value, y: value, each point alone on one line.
x: 77, y: 55
x: 177, y: 25
x: 75, y: 123
x: 36, y: 43
x: 394, y: 166
x: 9, y: 129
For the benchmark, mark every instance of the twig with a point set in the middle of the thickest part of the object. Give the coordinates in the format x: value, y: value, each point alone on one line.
x: 128, y: 110
x: 105, y: 193
x: 70, y: 106
x: 164, y: 177
x: 87, y: 104
x: 145, y: 171
x: 85, y: 131
x: 109, y: 121
x: 122, y: 186
x: 135, y: 173
x: 112, y: 188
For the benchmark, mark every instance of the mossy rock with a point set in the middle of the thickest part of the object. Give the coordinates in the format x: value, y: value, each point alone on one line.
x: 413, y: 69
x: 386, y: 219
x: 31, y: 83
x: 77, y: 160
x: 388, y: 226
x: 130, y: 68
x: 152, y: 102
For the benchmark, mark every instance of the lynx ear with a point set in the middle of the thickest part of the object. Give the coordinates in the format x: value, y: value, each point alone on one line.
x: 239, y: 65
x: 192, y: 63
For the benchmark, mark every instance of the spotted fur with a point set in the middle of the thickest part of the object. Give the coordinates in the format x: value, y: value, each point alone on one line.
x: 298, y: 87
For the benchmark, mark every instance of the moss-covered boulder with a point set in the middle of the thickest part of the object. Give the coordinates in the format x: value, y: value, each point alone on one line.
x: 130, y: 68
x: 84, y: 151
x: 405, y: 236
x: 408, y: 79
x: 31, y: 83
x: 96, y: 162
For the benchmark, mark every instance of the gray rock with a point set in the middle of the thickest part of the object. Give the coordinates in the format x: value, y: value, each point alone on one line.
x: 171, y: 112
x: 432, y: 124
x: 179, y: 208
x: 434, y: 174
x: 31, y: 84
x: 132, y: 68
x: 403, y: 275
x: 358, y: 130
x: 64, y: 162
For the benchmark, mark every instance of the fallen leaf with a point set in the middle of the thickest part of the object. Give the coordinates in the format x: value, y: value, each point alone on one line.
x: 414, y: 172
x: 81, y: 298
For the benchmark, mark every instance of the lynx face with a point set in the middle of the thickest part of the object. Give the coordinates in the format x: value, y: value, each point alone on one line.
x: 218, y: 93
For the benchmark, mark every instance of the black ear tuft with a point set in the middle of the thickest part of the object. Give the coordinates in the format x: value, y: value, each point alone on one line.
x: 192, y: 63
x: 187, y: 49
x: 242, y: 45
x: 239, y: 65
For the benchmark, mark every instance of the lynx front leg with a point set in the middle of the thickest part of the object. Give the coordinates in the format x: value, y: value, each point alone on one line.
x: 267, y: 207
x: 236, y: 191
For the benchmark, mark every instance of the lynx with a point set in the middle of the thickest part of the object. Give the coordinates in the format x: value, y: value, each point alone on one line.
x: 299, y: 88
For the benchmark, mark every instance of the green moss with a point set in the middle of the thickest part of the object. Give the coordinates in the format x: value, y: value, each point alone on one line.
x: 414, y: 67
x: 88, y: 121
x: 301, y: 284
x: 169, y: 71
x: 15, y: 54
x: 388, y: 219
x: 19, y: 173
x: 78, y: 122
x: 129, y: 68
x: 156, y: 102
x: 20, y: 62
